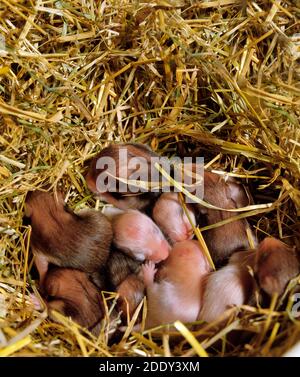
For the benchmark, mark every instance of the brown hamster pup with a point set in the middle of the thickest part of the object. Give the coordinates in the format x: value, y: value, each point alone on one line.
x: 71, y: 293
x: 136, y: 161
x: 276, y: 266
x: 223, y: 193
x: 66, y: 239
x: 123, y: 273
x: 119, y: 266
x: 131, y: 292
x: 273, y: 263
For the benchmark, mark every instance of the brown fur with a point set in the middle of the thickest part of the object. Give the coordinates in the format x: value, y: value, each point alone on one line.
x: 123, y: 274
x: 66, y: 239
x: 226, y: 239
x: 119, y: 266
x: 277, y: 265
x: 124, y: 200
x: 73, y: 294
x: 131, y: 292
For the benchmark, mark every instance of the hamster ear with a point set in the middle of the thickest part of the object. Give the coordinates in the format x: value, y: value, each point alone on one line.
x: 269, y: 244
x: 27, y: 207
x: 28, y: 210
x: 90, y: 181
x: 238, y: 193
x: 52, y: 287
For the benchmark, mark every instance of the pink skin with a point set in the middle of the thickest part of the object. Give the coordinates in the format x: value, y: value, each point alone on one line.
x: 148, y: 271
x: 273, y: 263
x: 35, y: 302
x: 136, y: 234
x: 171, y: 218
x: 224, y: 289
x: 177, y: 294
x: 41, y: 263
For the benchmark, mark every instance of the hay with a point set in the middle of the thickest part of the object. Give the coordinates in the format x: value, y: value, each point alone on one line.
x: 217, y: 78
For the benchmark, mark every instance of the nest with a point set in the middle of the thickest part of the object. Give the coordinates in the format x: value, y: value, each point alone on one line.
x: 216, y: 79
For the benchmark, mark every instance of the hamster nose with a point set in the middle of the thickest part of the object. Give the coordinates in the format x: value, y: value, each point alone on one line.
x: 163, y: 251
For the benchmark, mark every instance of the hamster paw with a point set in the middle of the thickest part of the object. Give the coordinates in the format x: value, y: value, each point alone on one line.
x: 149, y: 272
